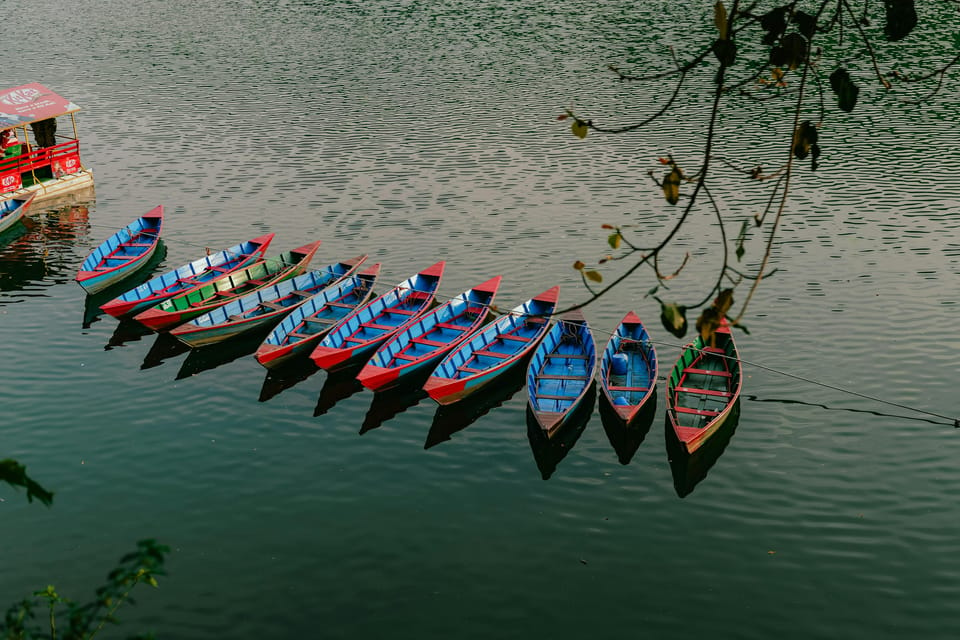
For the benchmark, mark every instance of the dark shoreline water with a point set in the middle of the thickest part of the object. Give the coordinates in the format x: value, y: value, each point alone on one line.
x: 304, y: 506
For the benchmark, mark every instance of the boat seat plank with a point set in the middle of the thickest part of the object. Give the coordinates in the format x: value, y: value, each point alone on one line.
x: 342, y: 305
x: 273, y: 305
x: 301, y: 293
x: 547, y: 396
x: 709, y: 392
x: 428, y: 342
x: 302, y: 336
x: 510, y: 336
x: 575, y: 356
x: 405, y: 312
x: 403, y: 356
x: 324, y: 321
x: 493, y: 354
x: 697, y: 412
x: 550, y: 376
x: 612, y: 388
x: 466, y: 369
x: 447, y: 325
x: 374, y: 325
x: 709, y: 372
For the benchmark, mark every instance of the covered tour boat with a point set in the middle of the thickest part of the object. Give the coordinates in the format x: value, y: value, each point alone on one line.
x: 39, y: 145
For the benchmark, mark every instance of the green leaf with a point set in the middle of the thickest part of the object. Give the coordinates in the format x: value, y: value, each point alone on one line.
x: 593, y: 275
x: 671, y: 186
x: 720, y: 19
x: 652, y: 291
x: 614, y: 240
x: 578, y: 265
x: 740, y: 251
x: 674, y: 318
x: 579, y: 129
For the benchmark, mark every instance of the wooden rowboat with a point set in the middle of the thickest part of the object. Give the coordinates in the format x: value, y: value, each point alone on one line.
x: 263, y: 307
x: 628, y: 369
x: 360, y: 333
x: 561, y: 372
x: 123, y: 253
x: 219, y: 291
x: 703, y: 388
x: 12, y: 210
x: 298, y: 333
x: 167, y: 285
x: 493, y: 350
x: 420, y: 346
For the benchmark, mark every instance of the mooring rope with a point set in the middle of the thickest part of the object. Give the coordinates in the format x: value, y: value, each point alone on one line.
x: 954, y: 420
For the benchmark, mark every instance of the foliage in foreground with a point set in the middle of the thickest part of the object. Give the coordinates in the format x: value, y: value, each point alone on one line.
x: 41, y: 616
x: 83, y: 621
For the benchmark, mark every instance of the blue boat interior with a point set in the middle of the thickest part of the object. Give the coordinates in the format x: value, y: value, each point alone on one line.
x: 498, y: 342
x: 629, y: 365
x: 433, y: 333
x: 129, y: 243
x: 385, y: 314
x: 562, y: 367
x: 321, y: 312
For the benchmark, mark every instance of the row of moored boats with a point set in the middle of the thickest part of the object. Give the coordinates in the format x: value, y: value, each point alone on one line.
x: 460, y: 345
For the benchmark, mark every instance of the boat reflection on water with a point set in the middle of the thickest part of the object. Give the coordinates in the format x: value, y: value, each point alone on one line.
x: 164, y: 348
x: 210, y: 357
x: 126, y: 331
x: 690, y: 469
x: 92, y: 303
x: 387, y: 404
x: 626, y: 438
x: 285, y: 376
x: 455, y: 417
x: 41, y: 249
x: 339, y: 385
x: 548, y: 452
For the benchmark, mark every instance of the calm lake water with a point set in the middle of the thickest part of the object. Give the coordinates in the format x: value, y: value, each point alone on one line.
x: 419, y: 131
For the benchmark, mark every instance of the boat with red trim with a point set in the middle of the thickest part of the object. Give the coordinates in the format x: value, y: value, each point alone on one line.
x: 298, y: 333
x: 359, y: 334
x: 628, y: 369
x: 561, y: 372
x: 156, y: 290
x: 493, y: 350
x: 191, y: 303
x: 12, y: 210
x: 263, y: 307
x: 122, y: 254
x: 421, y: 345
x: 703, y: 387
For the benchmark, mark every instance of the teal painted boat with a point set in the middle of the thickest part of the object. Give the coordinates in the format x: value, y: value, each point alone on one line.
x: 12, y: 211
x: 206, y: 297
x: 122, y: 254
x: 264, y: 307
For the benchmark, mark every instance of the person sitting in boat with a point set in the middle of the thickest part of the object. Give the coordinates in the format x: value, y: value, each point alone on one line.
x: 9, y: 143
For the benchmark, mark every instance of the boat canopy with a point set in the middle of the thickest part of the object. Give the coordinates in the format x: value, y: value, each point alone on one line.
x: 31, y: 103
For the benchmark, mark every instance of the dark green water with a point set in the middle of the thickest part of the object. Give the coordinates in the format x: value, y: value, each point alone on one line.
x: 421, y: 131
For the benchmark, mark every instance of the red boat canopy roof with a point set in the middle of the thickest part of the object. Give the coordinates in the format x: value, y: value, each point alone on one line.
x: 30, y: 103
